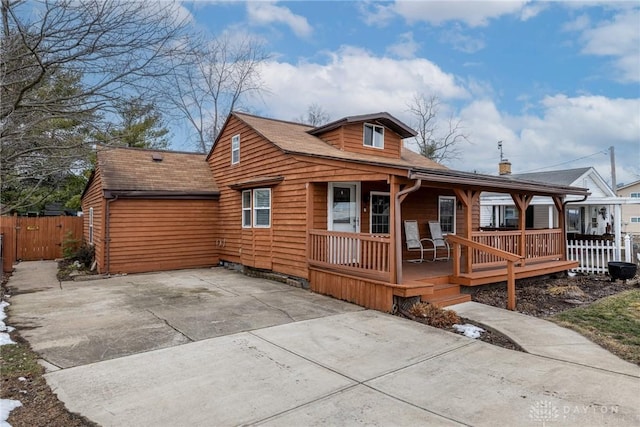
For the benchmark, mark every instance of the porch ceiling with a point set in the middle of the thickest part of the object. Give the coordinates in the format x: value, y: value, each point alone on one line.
x: 499, y: 184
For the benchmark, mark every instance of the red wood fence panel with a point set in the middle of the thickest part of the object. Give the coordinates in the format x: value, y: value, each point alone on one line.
x: 38, y: 238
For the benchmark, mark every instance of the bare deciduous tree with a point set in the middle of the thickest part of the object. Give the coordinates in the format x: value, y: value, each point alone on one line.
x: 219, y: 73
x: 64, y: 63
x: 316, y: 116
x: 433, y: 142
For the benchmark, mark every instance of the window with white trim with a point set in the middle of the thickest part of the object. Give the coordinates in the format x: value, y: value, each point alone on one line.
x: 373, y: 136
x: 91, y: 226
x: 380, y: 204
x: 262, y: 207
x: 235, y: 149
x: 635, y: 219
x: 447, y: 214
x: 246, y: 209
x: 635, y: 195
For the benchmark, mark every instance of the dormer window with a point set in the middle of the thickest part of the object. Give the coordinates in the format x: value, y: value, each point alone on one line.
x: 373, y: 136
x: 235, y: 149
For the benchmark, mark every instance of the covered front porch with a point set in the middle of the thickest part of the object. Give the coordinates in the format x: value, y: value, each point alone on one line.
x: 372, y: 268
x: 357, y: 267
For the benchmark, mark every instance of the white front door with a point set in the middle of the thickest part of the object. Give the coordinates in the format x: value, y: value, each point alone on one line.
x: 344, y: 216
x: 344, y: 207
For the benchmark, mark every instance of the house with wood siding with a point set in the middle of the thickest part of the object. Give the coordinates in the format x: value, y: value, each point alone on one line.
x: 327, y: 205
x: 150, y: 210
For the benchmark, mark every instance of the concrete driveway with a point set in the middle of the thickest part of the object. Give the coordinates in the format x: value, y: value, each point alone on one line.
x: 213, y: 347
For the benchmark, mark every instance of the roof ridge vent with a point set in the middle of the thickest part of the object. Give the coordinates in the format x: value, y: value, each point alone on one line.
x: 157, y: 157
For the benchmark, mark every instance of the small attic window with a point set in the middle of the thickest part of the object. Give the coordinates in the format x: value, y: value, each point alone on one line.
x: 157, y: 157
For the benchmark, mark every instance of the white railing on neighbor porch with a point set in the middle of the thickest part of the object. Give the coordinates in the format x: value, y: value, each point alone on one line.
x: 594, y: 255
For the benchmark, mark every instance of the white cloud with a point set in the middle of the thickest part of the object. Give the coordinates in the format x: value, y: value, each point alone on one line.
x: 406, y: 47
x: 353, y: 81
x: 618, y: 38
x: 473, y: 13
x: 570, y: 132
x: 265, y: 13
x: 462, y: 42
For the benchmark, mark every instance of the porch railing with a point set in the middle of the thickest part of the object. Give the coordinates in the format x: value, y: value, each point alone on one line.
x: 365, y: 255
x: 511, y: 260
x: 539, y: 245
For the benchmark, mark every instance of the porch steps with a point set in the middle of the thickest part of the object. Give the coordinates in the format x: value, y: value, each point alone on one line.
x: 500, y: 275
x: 446, y: 294
x: 412, y: 289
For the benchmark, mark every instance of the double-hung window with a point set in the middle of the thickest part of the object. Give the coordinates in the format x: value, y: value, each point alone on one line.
x: 447, y: 214
x: 235, y: 149
x: 246, y: 209
x: 262, y: 207
x: 256, y: 208
x: 373, y: 136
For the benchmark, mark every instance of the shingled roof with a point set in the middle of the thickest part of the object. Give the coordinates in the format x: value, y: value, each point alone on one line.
x: 130, y: 171
x: 296, y: 138
x: 557, y: 177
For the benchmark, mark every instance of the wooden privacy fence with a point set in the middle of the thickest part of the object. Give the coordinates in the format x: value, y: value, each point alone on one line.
x: 36, y: 238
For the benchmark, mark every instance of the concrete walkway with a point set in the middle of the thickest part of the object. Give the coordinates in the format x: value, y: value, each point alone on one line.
x: 544, y: 338
x: 286, y: 357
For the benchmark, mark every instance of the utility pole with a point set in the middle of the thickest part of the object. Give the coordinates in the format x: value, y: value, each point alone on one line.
x: 613, y: 168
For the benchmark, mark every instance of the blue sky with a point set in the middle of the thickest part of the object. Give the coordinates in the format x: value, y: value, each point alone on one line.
x: 558, y: 82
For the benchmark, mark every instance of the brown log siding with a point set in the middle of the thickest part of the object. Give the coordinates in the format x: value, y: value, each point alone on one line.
x: 93, y: 199
x: 154, y: 235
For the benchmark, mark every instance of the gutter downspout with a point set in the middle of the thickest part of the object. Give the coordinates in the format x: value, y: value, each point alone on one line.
x: 398, y: 200
x: 107, y: 234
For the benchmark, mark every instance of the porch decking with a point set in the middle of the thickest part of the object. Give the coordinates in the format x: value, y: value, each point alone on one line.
x: 446, y: 287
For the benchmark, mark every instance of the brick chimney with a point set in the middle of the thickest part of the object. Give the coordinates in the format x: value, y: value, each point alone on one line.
x: 504, y: 167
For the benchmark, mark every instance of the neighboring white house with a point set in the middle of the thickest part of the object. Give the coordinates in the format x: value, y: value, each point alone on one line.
x: 593, y: 216
x: 630, y: 212
x: 586, y: 219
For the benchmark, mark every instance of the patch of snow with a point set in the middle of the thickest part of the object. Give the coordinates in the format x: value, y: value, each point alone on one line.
x: 471, y: 331
x: 22, y: 379
x: 6, y: 406
x: 4, y: 329
x: 5, y: 339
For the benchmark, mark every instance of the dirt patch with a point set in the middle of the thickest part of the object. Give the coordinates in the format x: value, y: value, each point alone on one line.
x: 546, y: 296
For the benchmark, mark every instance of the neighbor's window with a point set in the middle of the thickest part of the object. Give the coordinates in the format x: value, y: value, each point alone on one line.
x: 635, y: 195
x: 635, y: 219
x: 91, y: 226
x: 380, y: 204
x: 246, y: 209
x: 373, y: 136
x: 447, y: 214
x: 235, y: 149
x: 573, y: 220
x: 262, y: 207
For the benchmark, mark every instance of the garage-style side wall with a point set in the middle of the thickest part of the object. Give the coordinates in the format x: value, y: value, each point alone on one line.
x: 160, y: 234
x: 93, y: 199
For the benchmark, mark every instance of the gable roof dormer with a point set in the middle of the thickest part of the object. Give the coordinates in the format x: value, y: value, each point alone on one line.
x: 378, y: 134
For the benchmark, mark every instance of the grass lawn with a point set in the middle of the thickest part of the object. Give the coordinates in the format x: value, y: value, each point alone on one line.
x: 613, y: 322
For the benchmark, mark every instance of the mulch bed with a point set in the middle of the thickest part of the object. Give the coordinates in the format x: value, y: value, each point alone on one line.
x: 540, y: 297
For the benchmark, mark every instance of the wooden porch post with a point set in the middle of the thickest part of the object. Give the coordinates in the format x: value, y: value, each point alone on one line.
x: 511, y: 286
x: 522, y: 202
x: 469, y: 198
x: 395, y: 250
x: 557, y: 201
